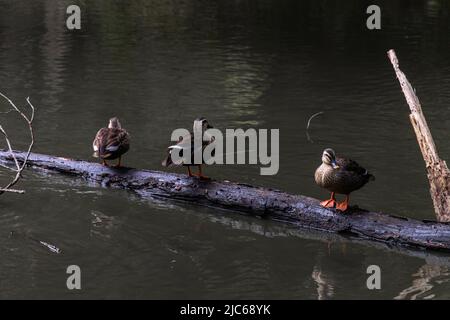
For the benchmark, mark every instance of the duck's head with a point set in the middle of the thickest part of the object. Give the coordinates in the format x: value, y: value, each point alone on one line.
x: 114, y: 123
x: 329, y: 158
x: 201, y: 125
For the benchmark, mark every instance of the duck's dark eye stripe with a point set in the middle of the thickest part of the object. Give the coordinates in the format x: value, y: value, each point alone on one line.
x: 329, y: 157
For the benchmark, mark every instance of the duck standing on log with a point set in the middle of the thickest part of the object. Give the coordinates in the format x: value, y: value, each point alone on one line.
x: 340, y: 175
x: 187, y: 142
x: 112, y: 142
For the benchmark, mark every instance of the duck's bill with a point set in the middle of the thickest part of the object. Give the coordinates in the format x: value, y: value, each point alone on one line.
x: 334, y: 165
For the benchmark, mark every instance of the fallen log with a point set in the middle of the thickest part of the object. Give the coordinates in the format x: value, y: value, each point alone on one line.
x: 297, y: 210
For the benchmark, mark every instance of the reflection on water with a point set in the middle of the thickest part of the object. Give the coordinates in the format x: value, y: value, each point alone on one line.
x: 424, y: 281
x: 102, y: 225
x: 53, y: 49
x: 245, y: 81
x: 268, y: 64
x: 325, y: 286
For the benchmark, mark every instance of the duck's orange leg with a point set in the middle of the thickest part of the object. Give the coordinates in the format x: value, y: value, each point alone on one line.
x: 200, y: 175
x: 189, y: 172
x: 119, y: 164
x: 343, y: 206
x: 330, y: 203
x: 104, y: 163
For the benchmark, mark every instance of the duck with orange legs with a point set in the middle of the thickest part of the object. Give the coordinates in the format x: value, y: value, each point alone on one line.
x: 111, y: 143
x: 187, y: 143
x: 340, y: 176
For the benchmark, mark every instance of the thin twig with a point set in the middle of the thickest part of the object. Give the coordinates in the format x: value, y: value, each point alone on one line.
x: 12, y: 190
x: 19, y: 168
x: 309, y: 122
x: 7, y: 167
x: 10, y: 149
x: 312, y: 117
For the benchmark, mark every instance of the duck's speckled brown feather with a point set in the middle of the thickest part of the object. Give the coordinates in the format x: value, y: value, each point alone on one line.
x: 350, y: 176
x: 111, y: 143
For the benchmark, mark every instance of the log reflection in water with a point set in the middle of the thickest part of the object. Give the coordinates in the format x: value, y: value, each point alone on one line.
x: 325, y: 285
x: 426, y: 278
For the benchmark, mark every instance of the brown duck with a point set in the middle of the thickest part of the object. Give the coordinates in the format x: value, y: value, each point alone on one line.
x: 340, y: 175
x: 187, y: 142
x: 112, y: 142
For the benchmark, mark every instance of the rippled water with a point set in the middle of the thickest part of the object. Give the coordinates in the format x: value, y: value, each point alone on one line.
x: 158, y: 65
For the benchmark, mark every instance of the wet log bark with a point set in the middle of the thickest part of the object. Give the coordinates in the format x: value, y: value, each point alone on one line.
x: 437, y: 170
x: 297, y: 210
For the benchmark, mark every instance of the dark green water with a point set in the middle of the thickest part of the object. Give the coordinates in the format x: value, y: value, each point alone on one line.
x: 263, y: 64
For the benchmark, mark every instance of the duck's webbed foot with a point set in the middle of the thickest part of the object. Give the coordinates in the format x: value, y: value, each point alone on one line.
x: 200, y: 174
x: 343, y: 206
x: 330, y: 203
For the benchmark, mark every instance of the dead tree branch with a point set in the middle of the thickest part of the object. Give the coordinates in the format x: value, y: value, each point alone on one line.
x: 437, y: 170
x: 18, y: 166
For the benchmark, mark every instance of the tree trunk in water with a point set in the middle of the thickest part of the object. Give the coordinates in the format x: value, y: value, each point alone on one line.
x: 437, y: 170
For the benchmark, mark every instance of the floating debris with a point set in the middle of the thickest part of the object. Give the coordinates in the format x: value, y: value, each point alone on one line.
x: 50, y: 247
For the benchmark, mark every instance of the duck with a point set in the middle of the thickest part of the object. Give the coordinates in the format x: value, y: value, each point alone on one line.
x: 200, y: 126
x: 111, y: 142
x: 340, y: 176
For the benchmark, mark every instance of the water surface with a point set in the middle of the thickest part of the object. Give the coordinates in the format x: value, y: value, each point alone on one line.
x: 263, y: 64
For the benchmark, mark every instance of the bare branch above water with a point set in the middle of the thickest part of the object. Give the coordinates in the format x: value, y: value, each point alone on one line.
x: 18, y: 166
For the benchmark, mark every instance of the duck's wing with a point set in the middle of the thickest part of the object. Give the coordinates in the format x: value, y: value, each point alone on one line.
x: 109, y: 141
x: 352, y: 166
x: 188, y: 142
x: 116, y: 139
x: 183, y: 143
x: 98, y: 140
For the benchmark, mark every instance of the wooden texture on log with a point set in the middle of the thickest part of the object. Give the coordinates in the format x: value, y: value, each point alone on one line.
x: 437, y: 171
x: 297, y: 210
